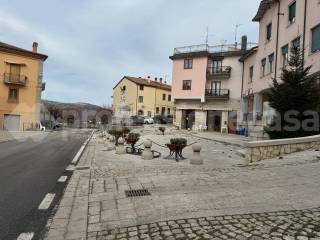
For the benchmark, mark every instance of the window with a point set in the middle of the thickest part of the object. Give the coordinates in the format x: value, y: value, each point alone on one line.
x: 169, y: 98
x: 157, y: 110
x: 140, y: 99
x: 163, y: 97
x: 263, y: 67
x: 217, y: 66
x: 13, y: 94
x: 285, y: 55
x: 168, y: 111
x: 251, y: 73
x: 292, y: 12
x: 163, y: 111
x: 186, y: 85
x: 269, y: 32
x: 271, y: 62
x: 141, y: 87
x: 188, y: 63
x: 15, y: 70
x: 315, y: 45
x: 296, y: 42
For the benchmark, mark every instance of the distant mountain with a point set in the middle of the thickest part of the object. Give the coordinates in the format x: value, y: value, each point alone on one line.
x: 79, y: 106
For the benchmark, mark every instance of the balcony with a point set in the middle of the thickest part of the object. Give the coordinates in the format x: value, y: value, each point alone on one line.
x: 217, y: 94
x: 14, y: 79
x: 223, y: 72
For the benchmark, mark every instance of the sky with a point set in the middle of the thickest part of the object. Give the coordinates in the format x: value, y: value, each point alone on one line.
x: 92, y: 44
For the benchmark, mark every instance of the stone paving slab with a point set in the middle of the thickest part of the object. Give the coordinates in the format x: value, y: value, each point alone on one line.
x: 95, y: 205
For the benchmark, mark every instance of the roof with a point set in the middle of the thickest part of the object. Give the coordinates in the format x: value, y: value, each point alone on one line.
x: 264, y: 6
x: 147, y: 82
x: 4, y: 47
x: 248, y: 54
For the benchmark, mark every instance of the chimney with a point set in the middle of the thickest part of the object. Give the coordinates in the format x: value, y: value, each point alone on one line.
x: 244, y: 42
x: 35, y: 47
x: 160, y: 80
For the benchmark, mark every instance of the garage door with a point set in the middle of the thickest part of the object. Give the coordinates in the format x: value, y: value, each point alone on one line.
x: 11, y: 122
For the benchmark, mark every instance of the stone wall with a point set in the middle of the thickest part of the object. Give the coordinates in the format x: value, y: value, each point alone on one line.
x: 259, y: 150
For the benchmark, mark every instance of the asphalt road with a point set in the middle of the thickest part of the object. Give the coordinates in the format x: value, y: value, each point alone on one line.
x: 29, y: 169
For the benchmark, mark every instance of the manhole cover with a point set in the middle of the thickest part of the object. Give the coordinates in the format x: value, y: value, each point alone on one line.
x: 137, y: 193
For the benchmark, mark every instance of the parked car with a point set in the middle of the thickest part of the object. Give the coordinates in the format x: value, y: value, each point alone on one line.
x: 161, y: 119
x: 148, y: 120
x: 137, y: 120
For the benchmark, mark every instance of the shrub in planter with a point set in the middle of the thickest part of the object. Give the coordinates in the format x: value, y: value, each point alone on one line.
x: 178, y: 141
x: 119, y: 132
x: 132, y: 138
x: 162, y: 129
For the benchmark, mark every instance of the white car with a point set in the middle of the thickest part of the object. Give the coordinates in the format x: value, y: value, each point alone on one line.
x: 148, y: 120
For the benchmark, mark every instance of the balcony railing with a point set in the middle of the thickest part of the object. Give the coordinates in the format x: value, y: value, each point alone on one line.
x: 217, y: 93
x: 212, y: 49
x: 219, y: 72
x: 15, y: 79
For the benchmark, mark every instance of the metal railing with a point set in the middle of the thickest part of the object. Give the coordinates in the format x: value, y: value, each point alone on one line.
x: 217, y: 93
x: 221, y: 70
x: 18, y: 79
x: 212, y: 49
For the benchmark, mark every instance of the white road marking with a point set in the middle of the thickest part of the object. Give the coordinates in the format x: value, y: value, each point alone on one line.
x: 46, y: 202
x: 62, y: 179
x: 25, y: 236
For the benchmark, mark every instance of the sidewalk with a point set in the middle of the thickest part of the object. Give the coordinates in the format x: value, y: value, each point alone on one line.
x: 188, y: 202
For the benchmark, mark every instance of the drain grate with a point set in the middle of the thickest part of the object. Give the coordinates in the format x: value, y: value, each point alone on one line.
x: 137, y: 193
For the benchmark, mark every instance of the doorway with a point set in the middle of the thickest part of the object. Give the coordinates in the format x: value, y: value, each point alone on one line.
x: 188, y: 118
x: 214, y: 121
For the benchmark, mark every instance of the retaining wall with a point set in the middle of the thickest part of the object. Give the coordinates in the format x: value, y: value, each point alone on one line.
x: 259, y: 150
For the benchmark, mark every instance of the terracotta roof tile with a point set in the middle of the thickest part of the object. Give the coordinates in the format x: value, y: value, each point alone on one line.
x: 149, y: 82
x: 264, y: 6
x: 13, y: 49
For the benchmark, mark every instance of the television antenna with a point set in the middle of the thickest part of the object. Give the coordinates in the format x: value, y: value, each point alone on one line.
x: 207, y: 36
x: 236, y: 31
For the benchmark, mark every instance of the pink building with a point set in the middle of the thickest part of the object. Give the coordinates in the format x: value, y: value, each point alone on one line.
x: 282, y: 24
x: 206, y: 86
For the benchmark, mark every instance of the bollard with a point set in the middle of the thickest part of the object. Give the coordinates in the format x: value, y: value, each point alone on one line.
x: 111, y: 145
x: 147, y: 154
x: 120, y: 148
x: 196, y: 159
x: 106, y: 140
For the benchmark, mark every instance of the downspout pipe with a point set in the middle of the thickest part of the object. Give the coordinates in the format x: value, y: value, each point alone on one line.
x: 277, y: 40
x: 304, y: 31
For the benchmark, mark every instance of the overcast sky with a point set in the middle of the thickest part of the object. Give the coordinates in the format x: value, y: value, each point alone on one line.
x: 91, y: 44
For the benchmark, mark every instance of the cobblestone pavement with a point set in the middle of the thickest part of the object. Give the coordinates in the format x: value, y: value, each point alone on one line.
x: 262, y: 201
x: 274, y: 225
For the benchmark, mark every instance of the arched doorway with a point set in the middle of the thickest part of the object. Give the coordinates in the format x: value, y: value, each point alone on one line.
x: 140, y: 112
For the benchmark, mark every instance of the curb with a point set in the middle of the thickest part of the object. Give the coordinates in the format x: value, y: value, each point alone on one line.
x: 77, y: 157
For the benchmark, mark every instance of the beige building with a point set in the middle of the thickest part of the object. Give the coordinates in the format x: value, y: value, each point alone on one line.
x: 145, y: 97
x: 282, y: 24
x: 21, y: 85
